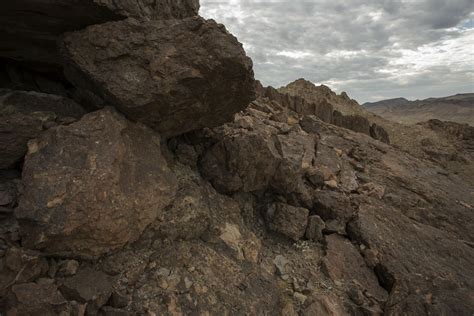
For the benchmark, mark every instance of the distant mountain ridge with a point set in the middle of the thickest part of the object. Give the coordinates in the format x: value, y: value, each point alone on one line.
x: 457, y: 108
x: 388, y: 102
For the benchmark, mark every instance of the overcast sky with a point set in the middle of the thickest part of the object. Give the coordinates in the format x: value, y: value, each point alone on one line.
x: 372, y: 49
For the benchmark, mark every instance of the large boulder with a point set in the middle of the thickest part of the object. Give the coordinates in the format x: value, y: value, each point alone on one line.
x: 30, y: 28
x: 92, y: 186
x: 24, y: 115
x: 173, y: 75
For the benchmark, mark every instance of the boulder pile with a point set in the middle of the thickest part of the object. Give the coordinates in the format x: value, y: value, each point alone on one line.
x: 144, y: 172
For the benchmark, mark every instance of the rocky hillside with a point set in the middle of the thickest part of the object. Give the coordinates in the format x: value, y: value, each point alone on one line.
x: 420, y: 140
x: 143, y: 171
x: 457, y: 108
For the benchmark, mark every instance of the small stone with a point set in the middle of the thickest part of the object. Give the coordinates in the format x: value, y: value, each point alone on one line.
x: 314, y: 230
x: 295, y: 284
x: 335, y: 227
x: 327, y: 173
x: 164, y: 272
x: 251, y: 251
x: 188, y: 283
x: 68, y: 268
x: 356, y: 295
x: 316, y: 178
x: 331, y: 184
x: 173, y: 281
x: 359, y: 167
x: 231, y: 236
x: 78, y: 309
x: 53, y: 268
x: 119, y: 300
x: 280, y: 264
x: 163, y: 284
x: 49, y: 124
x: 371, y: 257
x: 287, y: 220
x: 301, y: 298
x: 373, y: 190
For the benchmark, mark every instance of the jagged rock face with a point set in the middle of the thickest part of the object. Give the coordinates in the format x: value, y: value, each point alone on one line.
x: 24, y: 115
x: 317, y: 94
x: 255, y: 154
x: 37, y: 23
x: 175, y: 75
x: 377, y: 132
x: 304, y: 98
x: 353, y: 122
x: 92, y: 186
x: 321, y: 108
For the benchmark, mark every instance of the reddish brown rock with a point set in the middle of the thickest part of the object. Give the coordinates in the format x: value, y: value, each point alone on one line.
x: 173, y: 75
x: 92, y: 186
x: 288, y: 220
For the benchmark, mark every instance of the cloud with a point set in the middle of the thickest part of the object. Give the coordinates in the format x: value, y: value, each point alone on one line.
x: 370, y: 48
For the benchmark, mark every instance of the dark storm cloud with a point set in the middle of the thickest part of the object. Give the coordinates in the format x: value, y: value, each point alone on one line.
x: 401, y: 47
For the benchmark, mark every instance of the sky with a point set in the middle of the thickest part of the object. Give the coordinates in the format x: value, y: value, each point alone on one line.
x: 372, y: 49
